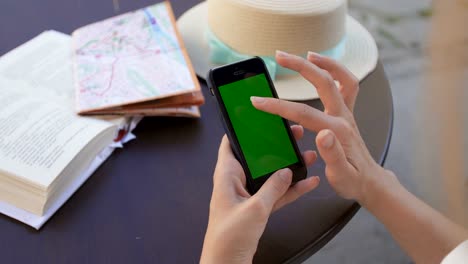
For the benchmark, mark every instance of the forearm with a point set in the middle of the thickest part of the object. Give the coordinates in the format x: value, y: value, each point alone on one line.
x: 425, y: 234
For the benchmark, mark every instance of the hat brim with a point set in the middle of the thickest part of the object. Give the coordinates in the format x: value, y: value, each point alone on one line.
x: 360, y: 55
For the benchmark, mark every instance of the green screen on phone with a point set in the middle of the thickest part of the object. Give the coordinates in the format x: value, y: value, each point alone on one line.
x: 263, y: 138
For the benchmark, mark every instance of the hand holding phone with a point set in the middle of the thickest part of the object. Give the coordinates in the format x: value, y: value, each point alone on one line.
x: 262, y: 142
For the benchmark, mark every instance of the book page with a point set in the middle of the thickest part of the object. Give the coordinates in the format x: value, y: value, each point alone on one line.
x: 37, y: 221
x: 39, y: 138
x: 45, y: 64
x: 39, y: 131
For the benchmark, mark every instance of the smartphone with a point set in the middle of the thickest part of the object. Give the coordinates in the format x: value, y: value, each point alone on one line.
x: 263, y: 143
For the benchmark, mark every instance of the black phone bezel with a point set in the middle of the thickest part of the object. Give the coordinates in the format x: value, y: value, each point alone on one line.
x: 234, y: 72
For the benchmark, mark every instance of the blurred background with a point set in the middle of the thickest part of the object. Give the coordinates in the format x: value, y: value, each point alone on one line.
x: 424, y: 48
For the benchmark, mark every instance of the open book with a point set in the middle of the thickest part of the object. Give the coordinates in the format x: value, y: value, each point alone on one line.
x: 135, y: 63
x: 46, y: 150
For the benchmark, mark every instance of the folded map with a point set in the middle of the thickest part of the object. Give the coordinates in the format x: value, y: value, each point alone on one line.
x: 134, y: 63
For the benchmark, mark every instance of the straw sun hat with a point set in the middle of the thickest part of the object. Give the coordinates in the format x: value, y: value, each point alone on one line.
x: 218, y: 32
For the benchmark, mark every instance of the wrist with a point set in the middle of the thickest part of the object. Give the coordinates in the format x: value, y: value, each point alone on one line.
x: 379, y: 183
x: 216, y: 255
x: 210, y: 252
x: 219, y: 247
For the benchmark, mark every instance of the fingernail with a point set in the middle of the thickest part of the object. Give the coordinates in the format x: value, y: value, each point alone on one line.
x: 280, y: 53
x: 328, y: 140
x: 313, y: 55
x: 285, y: 174
x: 256, y: 99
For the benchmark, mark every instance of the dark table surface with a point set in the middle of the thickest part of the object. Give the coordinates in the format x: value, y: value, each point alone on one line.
x: 148, y: 203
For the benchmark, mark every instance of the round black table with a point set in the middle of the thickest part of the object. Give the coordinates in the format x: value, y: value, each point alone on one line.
x: 148, y: 203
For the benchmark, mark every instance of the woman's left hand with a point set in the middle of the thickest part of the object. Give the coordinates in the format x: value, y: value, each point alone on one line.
x: 237, y: 219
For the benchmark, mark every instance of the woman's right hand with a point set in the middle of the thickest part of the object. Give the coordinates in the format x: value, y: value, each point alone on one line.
x: 350, y: 169
x: 422, y: 232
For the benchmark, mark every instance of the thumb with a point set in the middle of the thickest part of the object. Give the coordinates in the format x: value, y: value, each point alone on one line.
x: 275, y: 187
x: 330, y: 150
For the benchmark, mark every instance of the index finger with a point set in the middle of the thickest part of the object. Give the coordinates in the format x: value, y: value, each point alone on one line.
x: 321, y: 79
x: 349, y: 83
x: 302, y: 114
